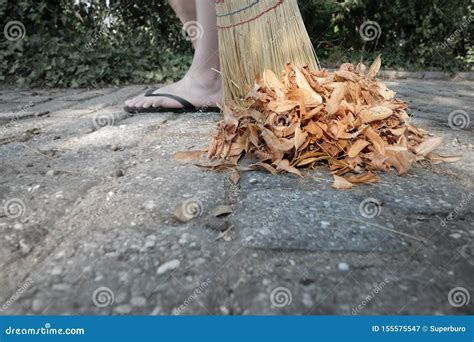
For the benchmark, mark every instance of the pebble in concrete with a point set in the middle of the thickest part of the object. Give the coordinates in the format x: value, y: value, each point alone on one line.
x: 342, y: 266
x: 170, y: 265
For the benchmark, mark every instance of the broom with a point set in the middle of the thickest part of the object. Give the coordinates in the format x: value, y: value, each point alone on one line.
x: 255, y: 35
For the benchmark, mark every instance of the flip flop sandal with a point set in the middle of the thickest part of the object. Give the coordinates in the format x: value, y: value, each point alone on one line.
x: 188, y: 107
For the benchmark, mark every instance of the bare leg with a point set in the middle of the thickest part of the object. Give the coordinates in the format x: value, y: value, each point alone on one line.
x: 185, y: 9
x: 201, y: 85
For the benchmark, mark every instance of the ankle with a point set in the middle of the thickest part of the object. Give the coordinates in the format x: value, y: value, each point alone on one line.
x: 208, y: 79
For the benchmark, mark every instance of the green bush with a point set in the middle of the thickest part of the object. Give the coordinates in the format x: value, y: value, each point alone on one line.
x: 134, y: 41
x: 433, y: 34
x: 91, y: 45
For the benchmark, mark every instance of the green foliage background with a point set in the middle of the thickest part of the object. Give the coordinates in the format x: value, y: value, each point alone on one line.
x: 70, y: 44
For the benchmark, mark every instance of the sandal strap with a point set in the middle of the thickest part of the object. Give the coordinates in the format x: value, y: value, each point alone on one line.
x: 186, y: 104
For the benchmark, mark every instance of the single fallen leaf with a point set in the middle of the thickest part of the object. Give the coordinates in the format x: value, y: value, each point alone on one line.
x: 303, y: 84
x: 358, y: 146
x: 313, y: 128
x: 235, y: 177
x: 398, y: 131
x: 374, y: 114
x: 400, y: 160
x: 282, y: 106
x: 188, y: 156
x: 272, y: 82
x: 285, y: 166
x: 366, y: 178
x: 266, y: 166
x: 361, y: 68
x: 428, y: 145
x: 437, y: 159
x: 375, y: 139
x: 300, y: 137
x: 336, y: 98
x: 383, y: 91
x: 276, y: 143
x: 311, y: 160
x: 374, y: 68
x: 341, y: 183
x: 347, y: 75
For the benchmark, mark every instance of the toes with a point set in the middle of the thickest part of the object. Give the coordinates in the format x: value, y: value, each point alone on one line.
x: 146, y: 104
x: 138, y: 103
x: 131, y: 102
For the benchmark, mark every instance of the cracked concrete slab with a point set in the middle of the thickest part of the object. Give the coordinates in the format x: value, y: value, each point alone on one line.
x: 88, y: 195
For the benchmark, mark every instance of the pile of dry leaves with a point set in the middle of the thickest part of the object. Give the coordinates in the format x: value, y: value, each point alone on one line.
x: 346, y: 118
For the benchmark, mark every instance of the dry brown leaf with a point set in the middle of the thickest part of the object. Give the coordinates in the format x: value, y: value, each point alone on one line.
x: 374, y: 114
x: 361, y: 68
x: 266, y: 166
x: 400, y: 160
x: 313, y: 128
x: 347, y: 75
x: 375, y: 139
x: 358, y: 146
x: 374, y: 68
x: 282, y: 106
x: 235, y: 177
x: 303, y: 84
x: 308, y: 161
x: 383, y: 91
x: 285, y: 166
x: 341, y: 183
x: 336, y: 98
x: 437, y: 159
x: 275, y: 143
x: 366, y: 178
x: 300, y: 137
x: 398, y: 131
x: 428, y: 146
x: 271, y: 81
x: 188, y: 156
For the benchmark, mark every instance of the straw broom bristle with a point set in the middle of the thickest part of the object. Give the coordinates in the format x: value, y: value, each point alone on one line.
x: 255, y: 35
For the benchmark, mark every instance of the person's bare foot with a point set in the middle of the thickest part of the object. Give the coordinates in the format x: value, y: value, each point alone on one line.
x: 201, y: 93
